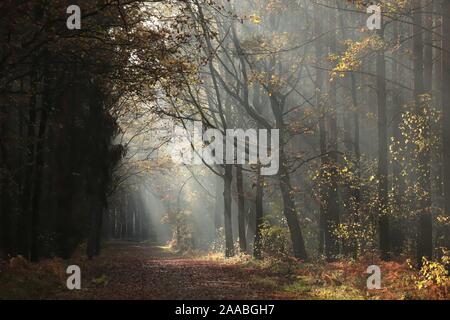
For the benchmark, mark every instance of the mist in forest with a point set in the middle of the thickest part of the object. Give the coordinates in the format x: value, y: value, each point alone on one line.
x: 357, y: 99
x: 356, y: 121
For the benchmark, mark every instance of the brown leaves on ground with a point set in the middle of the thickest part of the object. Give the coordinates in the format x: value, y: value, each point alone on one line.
x: 144, y: 271
x: 138, y: 271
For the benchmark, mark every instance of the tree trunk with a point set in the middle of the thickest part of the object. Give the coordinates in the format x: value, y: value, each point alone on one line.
x: 319, y: 52
x: 229, y: 243
x: 241, y: 209
x: 383, y: 219
x: 25, y: 219
x: 258, y: 214
x: 37, y: 184
x: 5, y: 191
x: 446, y: 110
x: 96, y: 215
x: 356, y: 141
x: 290, y: 213
x: 218, y: 223
x: 422, y: 71
x: 332, y: 214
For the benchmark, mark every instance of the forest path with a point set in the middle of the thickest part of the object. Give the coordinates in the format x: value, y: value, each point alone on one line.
x: 127, y: 270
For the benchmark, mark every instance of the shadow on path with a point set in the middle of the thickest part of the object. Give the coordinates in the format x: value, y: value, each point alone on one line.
x: 128, y: 270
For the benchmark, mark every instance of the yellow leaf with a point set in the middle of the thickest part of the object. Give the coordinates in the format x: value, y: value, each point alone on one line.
x: 255, y: 19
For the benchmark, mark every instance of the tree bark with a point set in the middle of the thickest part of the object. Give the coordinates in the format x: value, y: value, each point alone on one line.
x: 5, y: 191
x: 446, y: 110
x: 289, y: 210
x: 332, y: 212
x: 290, y: 213
x: 37, y: 184
x: 422, y: 80
x: 383, y: 219
x: 259, y: 217
x: 241, y: 209
x: 229, y: 243
x: 319, y: 53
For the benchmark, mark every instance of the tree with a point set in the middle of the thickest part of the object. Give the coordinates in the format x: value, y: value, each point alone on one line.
x: 446, y: 108
x: 425, y: 243
x: 383, y: 218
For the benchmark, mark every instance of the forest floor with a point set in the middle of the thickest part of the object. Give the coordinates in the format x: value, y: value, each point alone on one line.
x: 127, y: 270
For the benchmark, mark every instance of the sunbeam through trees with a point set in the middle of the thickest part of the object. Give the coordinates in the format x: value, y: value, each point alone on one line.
x: 225, y: 149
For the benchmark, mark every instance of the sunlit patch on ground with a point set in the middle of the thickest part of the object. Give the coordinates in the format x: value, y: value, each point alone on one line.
x: 129, y: 270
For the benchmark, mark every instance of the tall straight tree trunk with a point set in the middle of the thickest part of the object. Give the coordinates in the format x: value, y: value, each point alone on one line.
x: 424, y: 242
x: 37, y: 184
x: 65, y: 179
x: 227, y: 178
x: 258, y: 214
x: 437, y: 101
x: 323, y: 192
x: 356, y: 191
x: 332, y: 216
x: 241, y: 209
x: 446, y: 109
x: 398, y: 181
x: 25, y: 215
x: 5, y: 191
x: 356, y: 142
x: 353, y: 189
x: 351, y: 142
x: 218, y: 205
x: 319, y: 52
x: 24, y: 219
x: 383, y: 219
x: 39, y: 167
x: 428, y: 47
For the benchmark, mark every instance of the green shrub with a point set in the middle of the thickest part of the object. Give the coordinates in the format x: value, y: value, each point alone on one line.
x: 275, y: 241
